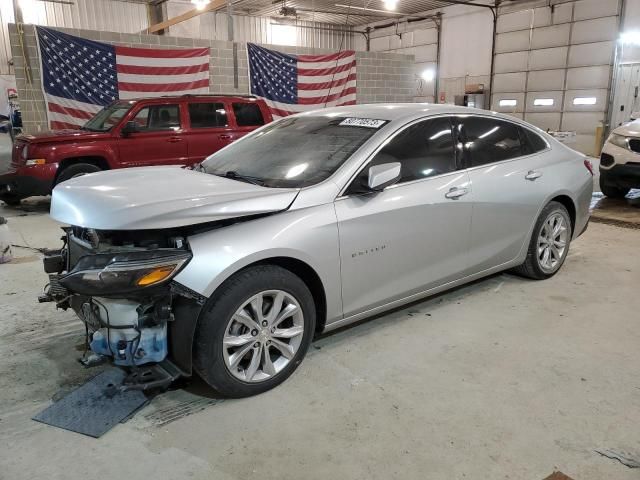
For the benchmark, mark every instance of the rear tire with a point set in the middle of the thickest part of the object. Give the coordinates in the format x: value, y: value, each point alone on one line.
x: 76, y: 170
x: 544, y: 238
x: 235, y: 351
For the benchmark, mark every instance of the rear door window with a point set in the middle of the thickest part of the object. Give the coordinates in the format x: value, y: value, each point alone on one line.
x: 207, y: 115
x: 488, y: 140
x: 247, y: 114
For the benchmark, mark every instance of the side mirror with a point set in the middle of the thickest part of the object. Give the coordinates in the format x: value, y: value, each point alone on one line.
x: 129, y: 128
x: 381, y: 176
x: 635, y: 115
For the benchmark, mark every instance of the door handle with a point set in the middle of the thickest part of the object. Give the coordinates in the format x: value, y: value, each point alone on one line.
x: 224, y: 136
x: 532, y: 175
x: 174, y: 139
x: 454, y: 193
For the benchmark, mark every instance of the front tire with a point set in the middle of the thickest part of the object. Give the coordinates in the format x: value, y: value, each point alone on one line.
x: 11, y: 200
x: 76, y: 170
x: 254, y: 331
x: 549, y: 244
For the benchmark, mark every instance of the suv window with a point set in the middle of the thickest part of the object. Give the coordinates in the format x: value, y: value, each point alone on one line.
x: 158, y: 117
x: 108, y: 117
x: 487, y: 140
x: 532, y: 142
x: 207, y: 115
x: 424, y: 150
x: 247, y: 114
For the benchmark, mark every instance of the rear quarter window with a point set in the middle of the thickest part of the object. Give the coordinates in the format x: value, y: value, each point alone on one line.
x: 248, y: 114
x: 531, y: 141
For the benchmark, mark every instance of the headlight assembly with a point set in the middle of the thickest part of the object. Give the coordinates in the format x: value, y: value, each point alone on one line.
x: 125, y: 272
x: 619, y: 141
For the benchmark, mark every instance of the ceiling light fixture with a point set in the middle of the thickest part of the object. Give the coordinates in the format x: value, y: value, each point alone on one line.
x: 390, y: 4
x: 200, y: 4
x: 632, y: 37
x: 369, y: 9
x: 428, y: 75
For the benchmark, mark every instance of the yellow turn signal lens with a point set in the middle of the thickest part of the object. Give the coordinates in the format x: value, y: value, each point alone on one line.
x: 36, y: 161
x: 156, y: 275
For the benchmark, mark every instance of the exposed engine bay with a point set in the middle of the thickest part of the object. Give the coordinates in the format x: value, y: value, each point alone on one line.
x: 119, y: 285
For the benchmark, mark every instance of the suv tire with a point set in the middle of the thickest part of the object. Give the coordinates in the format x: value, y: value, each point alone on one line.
x: 11, y: 200
x: 76, y: 170
x: 231, y: 355
x: 610, y: 190
x: 534, y: 267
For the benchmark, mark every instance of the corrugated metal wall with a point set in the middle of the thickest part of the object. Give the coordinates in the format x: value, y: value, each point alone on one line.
x: 103, y: 15
x: 130, y: 17
x: 553, y: 66
x: 213, y: 26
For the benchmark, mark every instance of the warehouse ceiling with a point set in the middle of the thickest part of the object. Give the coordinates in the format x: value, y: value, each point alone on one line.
x: 342, y: 12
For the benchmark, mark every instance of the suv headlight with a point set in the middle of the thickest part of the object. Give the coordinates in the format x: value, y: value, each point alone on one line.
x: 125, y: 272
x: 619, y: 141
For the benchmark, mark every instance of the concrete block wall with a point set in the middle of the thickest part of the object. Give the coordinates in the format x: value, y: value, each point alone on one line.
x: 381, y: 77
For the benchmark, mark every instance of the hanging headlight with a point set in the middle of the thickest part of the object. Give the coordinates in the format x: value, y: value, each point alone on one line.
x: 125, y: 272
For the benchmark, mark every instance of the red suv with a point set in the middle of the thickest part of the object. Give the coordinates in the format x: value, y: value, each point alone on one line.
x: 131, y: 133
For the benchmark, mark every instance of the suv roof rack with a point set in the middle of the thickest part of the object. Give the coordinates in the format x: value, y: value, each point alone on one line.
x: 243, y: 95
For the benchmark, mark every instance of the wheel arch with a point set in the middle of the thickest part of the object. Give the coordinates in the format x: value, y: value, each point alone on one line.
x: 565, y: 199
x: 183, y: 338
x: 97, y: 160
x: 569, y: 204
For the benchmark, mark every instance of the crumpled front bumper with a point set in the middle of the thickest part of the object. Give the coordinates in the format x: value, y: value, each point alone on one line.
x: 28, y: 181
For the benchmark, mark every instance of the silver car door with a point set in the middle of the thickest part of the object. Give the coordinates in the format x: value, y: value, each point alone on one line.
x: 508, y: 188
x: 413, y: 235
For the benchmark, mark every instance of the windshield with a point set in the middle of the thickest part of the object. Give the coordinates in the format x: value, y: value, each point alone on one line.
x: 294, y: 152
x: 108, y: 117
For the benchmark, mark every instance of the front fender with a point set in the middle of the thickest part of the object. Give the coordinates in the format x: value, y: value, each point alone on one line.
x: 309, y: 235
x: 104, y: 151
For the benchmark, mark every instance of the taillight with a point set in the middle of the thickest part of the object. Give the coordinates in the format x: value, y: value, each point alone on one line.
x: 589, y: 166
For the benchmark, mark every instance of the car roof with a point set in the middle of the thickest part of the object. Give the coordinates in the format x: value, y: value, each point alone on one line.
x: 402, y: 111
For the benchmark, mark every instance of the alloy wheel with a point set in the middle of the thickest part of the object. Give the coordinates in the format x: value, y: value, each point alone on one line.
x: 552, y: 242
x: 263, y: 336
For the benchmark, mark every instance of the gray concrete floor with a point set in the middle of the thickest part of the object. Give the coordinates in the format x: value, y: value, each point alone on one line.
x: 503, y: 379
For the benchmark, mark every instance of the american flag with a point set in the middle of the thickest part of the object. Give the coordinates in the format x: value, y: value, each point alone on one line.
x: 81, y: 76
x: 295, y: 83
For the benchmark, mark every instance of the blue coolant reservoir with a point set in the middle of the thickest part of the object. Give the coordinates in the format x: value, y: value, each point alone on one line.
x: 127, y: 345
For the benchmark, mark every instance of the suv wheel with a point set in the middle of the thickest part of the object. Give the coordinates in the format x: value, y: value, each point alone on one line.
x: 549, y: 244
x: 254, y: 331
x: 11, y: 200
x: 76, y: 170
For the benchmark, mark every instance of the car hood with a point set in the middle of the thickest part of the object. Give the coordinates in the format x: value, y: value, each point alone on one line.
x: 55, y: 136
x: 631, y: 129
x: 160, y: 197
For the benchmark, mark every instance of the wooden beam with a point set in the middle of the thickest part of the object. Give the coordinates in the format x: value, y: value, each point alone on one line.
x: 213, y: 5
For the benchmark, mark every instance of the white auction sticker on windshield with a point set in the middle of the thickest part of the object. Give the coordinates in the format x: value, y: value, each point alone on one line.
x: 362, y: 122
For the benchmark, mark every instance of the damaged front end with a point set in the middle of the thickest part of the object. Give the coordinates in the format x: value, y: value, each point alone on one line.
x: 119, y: 285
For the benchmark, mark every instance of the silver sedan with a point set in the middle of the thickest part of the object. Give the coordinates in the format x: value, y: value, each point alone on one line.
x: 308, y: 224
